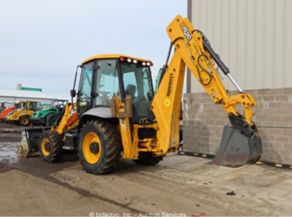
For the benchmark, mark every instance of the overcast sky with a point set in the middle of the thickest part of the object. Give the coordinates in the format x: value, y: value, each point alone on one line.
x: 42, y: 41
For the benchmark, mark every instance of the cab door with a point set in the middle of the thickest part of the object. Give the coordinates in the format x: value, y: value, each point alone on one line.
x: 85, y: 89
x: 106, y: 82
x: 32, y: 107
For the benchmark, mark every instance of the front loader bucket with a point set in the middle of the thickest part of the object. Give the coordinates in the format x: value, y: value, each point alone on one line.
x: 237, y: 149
x: 29, y: 142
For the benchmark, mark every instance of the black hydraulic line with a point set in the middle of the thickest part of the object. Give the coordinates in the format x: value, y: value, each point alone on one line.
x: 169, y: 52
x: 215, y: 57
x: 166, y: 64
x: 213, y: 54
x: 206, y: 71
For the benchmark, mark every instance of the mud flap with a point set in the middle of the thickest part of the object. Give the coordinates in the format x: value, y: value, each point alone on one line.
x: 237, y: 149
x: 29, y: 142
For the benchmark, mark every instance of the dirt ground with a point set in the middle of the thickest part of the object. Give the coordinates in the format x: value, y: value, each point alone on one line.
x: 178, y: 186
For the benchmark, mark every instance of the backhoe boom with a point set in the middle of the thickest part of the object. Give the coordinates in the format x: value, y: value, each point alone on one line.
x: 192, y: 49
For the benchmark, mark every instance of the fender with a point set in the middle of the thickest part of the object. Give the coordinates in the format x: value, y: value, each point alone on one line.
x: 99, y: 112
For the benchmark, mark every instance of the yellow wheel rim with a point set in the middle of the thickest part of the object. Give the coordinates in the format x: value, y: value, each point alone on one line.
x: 25, y: 121
x: 44, y: 151
x: 91, y: 148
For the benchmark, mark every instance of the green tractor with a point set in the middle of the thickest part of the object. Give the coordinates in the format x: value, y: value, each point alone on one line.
x: 49, y: 116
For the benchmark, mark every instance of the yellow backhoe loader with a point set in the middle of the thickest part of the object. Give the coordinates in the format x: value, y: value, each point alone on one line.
x: 21, y: 116
x: 116, y: 111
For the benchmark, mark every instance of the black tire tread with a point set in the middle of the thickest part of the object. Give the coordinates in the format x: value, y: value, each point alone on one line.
x: 48, y: 118
x: 111, y: 143
x: 21, y: 118
x: 56, y: 146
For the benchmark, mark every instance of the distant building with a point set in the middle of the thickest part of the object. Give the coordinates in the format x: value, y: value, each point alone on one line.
x: 26, y: 93
x: 253, y: 38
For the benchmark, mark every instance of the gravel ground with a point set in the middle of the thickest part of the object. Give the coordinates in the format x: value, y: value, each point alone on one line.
x: 178, y: 186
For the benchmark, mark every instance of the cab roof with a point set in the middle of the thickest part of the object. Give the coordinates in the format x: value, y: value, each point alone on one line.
x: 113, y: 56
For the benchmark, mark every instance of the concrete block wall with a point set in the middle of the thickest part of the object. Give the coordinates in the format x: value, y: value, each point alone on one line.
x: 204, y: 122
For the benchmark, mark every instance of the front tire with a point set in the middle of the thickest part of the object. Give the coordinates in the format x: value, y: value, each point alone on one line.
x: 51, y: 120
x: 99, y: 147
x: 24, y: 120
x: 50, y: 146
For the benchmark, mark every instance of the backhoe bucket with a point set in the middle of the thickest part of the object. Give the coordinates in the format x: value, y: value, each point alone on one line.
x: 237, y: 149
x: 29, y: 142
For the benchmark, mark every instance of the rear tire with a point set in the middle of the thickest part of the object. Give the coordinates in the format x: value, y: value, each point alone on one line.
x: 147, y: 159
x: 51, y: 120
x: 50, y: 146
x: 99, y: 147
x: 23, y: 121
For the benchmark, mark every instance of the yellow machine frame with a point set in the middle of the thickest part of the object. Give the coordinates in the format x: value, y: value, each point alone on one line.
x: 95, y: 133
x: 68, y: 121
x: 167, y: 101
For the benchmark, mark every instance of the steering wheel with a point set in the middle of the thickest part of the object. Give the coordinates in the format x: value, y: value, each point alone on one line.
x: 105, y: 97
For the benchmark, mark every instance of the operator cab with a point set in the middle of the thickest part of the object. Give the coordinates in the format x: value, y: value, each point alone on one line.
x: 18, y: 104
x: 105, y: 76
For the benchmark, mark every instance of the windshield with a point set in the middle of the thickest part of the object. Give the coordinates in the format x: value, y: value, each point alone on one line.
x: 38, y: 106
x: 107, y: 82
x: 101, y: 80
x: 24, y: 105
x: 84, y: 92
x: 17, y: 105
x: 59, y: 104
x: 35, y: 106
x: 137, y: 83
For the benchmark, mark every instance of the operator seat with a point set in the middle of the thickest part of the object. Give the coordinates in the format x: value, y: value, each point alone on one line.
x: 131, y: 90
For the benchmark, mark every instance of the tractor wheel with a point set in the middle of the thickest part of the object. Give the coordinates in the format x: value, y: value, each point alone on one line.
x: 51, y: 120
x: 50, y: 146
x: 147, y: 159
x: 99, y: 147
x: 23, y: 121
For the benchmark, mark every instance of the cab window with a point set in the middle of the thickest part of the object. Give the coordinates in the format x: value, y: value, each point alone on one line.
x: 107, y: 82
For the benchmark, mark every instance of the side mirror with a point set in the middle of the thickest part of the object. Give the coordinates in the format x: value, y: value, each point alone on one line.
x: 73, y: 93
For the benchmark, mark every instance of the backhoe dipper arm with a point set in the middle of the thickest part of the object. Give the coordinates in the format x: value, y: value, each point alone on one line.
x: 193, y: 49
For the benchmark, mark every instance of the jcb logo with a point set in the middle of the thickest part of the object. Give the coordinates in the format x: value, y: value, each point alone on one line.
x: 186, y: 31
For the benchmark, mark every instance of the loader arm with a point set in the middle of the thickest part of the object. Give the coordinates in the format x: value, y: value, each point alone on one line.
x: 31, y: 135
x: 68, y: 120
x: 192, y: 49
